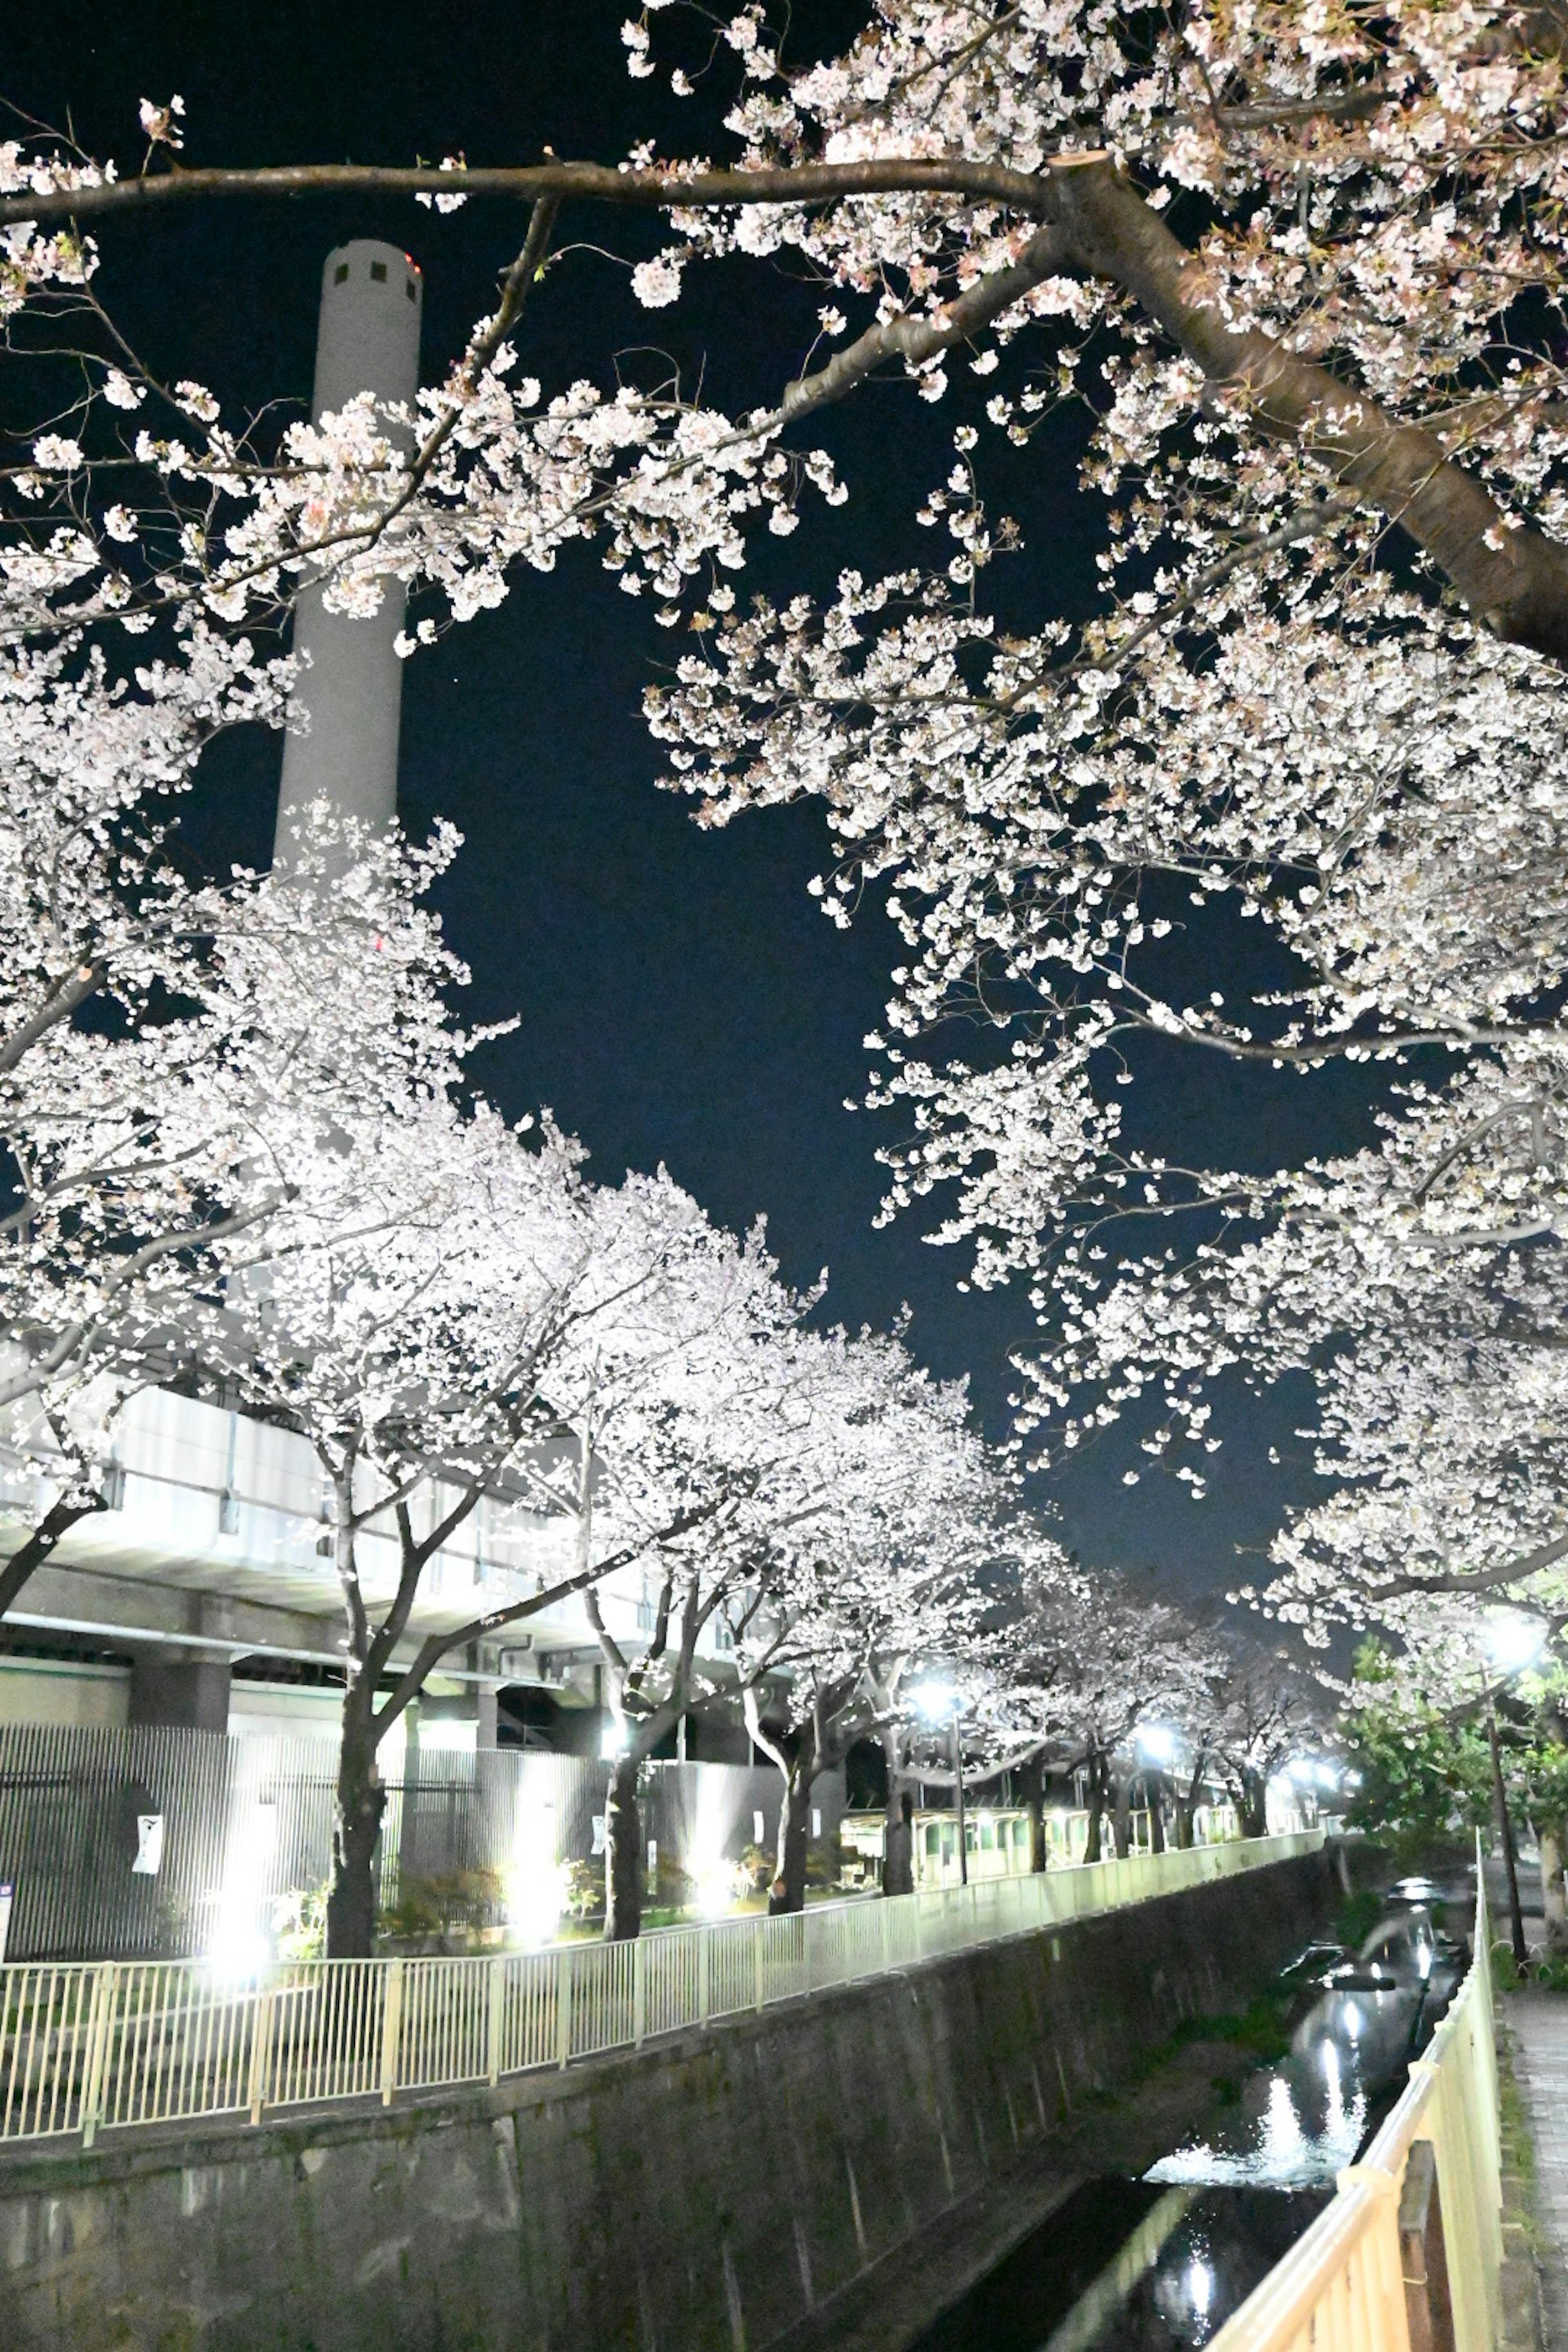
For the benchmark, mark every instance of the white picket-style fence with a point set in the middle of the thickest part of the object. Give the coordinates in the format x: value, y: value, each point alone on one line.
x: 87, y: 2046
x: 1343, y: 2287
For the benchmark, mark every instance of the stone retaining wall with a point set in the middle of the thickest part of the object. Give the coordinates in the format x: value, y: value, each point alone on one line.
x: 713, y: 2193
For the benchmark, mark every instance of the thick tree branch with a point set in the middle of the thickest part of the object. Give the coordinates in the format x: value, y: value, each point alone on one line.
x: 57, y: 1521
x: 1515, y: 581
x: 438, y: 1646
x: 915, y: 340
x: 801, y: 183
x: 1479, y: 1580
x: 59, y: 1004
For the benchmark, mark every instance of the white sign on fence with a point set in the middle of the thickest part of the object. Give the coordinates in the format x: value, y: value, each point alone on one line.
x: 149, y: 1845
x: 8, y: 1895
x: 757, y: 1829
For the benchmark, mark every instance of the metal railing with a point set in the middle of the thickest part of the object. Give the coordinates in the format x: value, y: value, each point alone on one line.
x: 86, y: 2047
x: 1342, y: 2288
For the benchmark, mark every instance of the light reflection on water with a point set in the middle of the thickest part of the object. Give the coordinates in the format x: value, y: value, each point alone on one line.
x: 1159, y: 2265
x: 1299, y: 2122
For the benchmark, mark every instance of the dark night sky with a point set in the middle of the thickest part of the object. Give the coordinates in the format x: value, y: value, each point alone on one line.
x: 680, y: 996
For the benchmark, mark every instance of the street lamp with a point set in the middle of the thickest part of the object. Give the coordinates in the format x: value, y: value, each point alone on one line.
x: 1510, y: 1643
x: 940, y: 1703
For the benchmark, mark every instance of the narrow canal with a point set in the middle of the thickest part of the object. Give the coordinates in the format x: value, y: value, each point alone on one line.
x: 1158, y: 2264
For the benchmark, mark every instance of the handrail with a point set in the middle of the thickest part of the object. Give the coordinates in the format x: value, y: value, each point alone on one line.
x: 1342, y: 2287
x: 87, y: 2046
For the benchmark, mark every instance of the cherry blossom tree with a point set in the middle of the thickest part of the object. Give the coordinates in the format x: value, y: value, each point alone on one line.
x: 820, y: 1463
x: 1303, y: 269
x: 1080, y: 1663
x: 449, y: 1310
x: 697, y: 1437
x: 145, y: 1147
x: 1287, y: 262
x: 889, y: 1570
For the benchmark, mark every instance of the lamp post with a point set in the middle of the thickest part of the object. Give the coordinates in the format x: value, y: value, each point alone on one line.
x: 1156, y: 1747
x: 939, y: 1702
x: 1510, y: 1643
x: 958, y: 1784
x: 1510, y: 1865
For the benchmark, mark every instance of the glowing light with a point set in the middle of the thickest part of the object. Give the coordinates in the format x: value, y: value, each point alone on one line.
x: 612, y: 1742
x: 450, y: 1733
x: 935, y: 1701
x: 239, y: 1948
x: 1200, y: 2289
x: 720, y: 1888
x: 1155, y: 1744
x: 719, y: 1882
x: 536, y: 1881
x: 1511, y: 1643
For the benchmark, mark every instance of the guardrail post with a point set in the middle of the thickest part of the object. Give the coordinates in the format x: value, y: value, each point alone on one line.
x: 563, y: 2003
x: 97, y: 2030
x: 495, y: 2018
x: 886, y: 1926
x: 391, y: 2030
x: 639, y: 1993
x: 260, y: 2053
x: 704, y: 1937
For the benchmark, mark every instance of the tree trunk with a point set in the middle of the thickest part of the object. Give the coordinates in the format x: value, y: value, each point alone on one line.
x: 1031, y: 1778
x: 1186, y: 1806
x: 1121, y: 1816
x: 1554, y: 1839
x: 1094, y: 1841
x: 787, y: 1892
x: 898, y: 1837
x: 361, y: 1801
x: 1154, y: 1792
x: 623, y: 1854
x: 1252, y: 1803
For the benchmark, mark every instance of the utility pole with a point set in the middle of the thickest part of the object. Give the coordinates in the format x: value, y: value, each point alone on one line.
x: 1505, y: 1827
x: 958, y: 1783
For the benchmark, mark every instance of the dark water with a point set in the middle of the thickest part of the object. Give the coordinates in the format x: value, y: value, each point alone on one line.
x: 1125, y: 2266
x: 1159, y: 2264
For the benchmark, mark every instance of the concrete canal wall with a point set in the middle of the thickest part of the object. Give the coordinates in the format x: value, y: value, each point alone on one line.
x: 722, y: 2192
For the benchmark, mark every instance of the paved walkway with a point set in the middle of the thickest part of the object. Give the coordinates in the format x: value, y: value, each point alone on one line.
x: 1540, y: 2024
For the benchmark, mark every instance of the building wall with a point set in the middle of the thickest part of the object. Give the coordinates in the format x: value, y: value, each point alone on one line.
x: 64, y: 1691
x: 247, y: 1823
x: 727, y: 2192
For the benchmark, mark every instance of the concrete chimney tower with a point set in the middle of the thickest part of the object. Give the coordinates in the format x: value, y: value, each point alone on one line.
x: 367, y: 340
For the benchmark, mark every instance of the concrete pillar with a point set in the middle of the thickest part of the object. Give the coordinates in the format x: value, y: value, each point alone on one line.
x: 367, y: 340
x: 186, y: 1689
